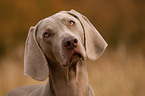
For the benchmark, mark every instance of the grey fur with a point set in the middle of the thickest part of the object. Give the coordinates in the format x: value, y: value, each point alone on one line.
x: 48, y: 54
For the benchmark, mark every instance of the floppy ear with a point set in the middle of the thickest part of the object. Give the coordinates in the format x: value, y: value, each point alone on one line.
x: 35, y: 63
x: 95, y: 44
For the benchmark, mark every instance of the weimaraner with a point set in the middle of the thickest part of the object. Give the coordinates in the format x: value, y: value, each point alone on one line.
x: 57, y: 48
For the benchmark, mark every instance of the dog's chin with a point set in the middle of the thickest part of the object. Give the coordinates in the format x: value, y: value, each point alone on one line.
x: 74, y: 58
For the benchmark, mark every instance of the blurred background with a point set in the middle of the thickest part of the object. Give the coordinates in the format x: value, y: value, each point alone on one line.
x: 120, y: 71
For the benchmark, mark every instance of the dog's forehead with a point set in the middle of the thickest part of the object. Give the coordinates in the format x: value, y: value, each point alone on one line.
x: 61, y: 15
x: 57, y: 23
x: 54, y: 20
x: 57, y: 17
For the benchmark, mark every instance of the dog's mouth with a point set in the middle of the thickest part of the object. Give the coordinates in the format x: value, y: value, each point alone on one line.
x: 73, y: 59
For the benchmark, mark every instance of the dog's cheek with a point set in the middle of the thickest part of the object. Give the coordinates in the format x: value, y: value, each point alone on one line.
x: 48, y: 52
x: 82, y: 49
x: 56, y: 50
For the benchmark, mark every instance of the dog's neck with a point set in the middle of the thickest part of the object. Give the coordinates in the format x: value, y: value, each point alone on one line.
x: 69, y: 81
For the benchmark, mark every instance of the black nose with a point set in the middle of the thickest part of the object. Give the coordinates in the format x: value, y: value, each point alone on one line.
x: 70, y: 42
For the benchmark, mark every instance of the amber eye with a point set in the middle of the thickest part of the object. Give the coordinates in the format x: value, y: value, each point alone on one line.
x: 71, y: 23
x: 46, y: 34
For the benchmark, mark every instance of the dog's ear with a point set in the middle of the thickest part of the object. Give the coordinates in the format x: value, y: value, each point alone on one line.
x: 95, y: 44
x: 35, y: 63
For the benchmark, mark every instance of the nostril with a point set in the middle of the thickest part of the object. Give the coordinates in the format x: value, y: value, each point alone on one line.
x: 68, y: 43
x: 75, y: 41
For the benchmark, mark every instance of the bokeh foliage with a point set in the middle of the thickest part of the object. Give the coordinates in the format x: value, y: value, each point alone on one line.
x: 117, y: 20
x: 121, y: 69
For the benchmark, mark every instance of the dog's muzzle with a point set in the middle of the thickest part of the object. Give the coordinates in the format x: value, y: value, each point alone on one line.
x: 72, y: 50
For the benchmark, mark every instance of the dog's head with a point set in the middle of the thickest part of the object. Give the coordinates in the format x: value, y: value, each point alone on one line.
x: 64, y: 38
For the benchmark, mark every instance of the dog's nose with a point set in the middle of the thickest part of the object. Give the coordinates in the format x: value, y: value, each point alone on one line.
x: 70, y: 42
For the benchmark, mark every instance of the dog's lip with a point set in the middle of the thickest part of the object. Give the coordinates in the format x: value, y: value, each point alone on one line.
x: 74, y: 58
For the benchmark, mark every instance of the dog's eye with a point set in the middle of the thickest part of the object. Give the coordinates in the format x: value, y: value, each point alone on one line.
x: 46, y: 35
x: 71, y: 23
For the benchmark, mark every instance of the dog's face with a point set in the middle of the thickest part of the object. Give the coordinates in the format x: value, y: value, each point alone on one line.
x: 61, y: 38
